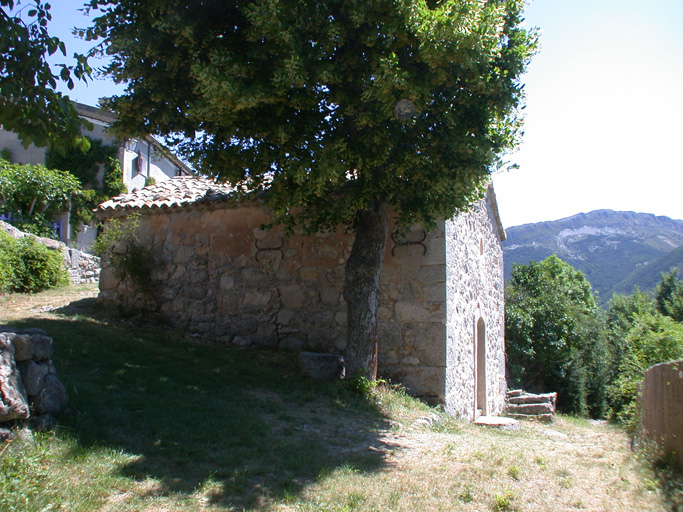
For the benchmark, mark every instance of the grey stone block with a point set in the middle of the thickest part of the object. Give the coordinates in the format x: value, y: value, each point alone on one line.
x: 322, y: 366
x: 33, y: 376
x: 52, y: 399
x: 13, y: 399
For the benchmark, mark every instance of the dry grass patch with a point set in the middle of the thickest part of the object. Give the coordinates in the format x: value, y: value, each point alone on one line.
x: 568, y: 466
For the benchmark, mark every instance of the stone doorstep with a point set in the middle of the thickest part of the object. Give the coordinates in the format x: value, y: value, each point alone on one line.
x: 499, y: 422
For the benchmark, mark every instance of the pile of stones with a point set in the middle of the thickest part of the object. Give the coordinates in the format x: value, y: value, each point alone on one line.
x: 29, y: 387
x: 521, y: 405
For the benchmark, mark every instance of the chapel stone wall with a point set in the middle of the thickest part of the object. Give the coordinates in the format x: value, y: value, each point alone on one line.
x: 218, y: 275
x: 475, y: 301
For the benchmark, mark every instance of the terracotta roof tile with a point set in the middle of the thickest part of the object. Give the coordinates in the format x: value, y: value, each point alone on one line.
x: 178, y: 191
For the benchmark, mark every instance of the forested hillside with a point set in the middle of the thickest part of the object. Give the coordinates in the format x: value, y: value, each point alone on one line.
x: 615, y: 250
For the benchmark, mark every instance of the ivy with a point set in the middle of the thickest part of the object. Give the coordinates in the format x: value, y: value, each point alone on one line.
x: 86, y: 167
x: 120, y: 246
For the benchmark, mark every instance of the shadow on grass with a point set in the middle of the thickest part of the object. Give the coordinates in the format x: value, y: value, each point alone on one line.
x: 193, y: 414
x: 670, y: 478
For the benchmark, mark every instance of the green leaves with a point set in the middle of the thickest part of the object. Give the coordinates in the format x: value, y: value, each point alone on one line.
x: 34, y: 191
x: 643, y: 331
x: 553, y: 332
x: 302, y: 95
x: 28, y: 266
x: 30, y: 104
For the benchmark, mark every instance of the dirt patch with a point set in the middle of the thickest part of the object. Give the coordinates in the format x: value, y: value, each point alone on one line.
x: 20, y: 306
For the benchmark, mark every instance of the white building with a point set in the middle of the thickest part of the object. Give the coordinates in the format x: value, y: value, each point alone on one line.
x: 142, y: 161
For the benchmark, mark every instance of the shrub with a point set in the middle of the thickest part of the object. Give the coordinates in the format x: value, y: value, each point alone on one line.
x: 28, y: 266
x: 653, y: 339
x: 554, y: 332
x: 6, y: 274
x: 120, y: 245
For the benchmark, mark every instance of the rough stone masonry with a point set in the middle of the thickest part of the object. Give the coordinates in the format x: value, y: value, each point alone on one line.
x: 29, y: 387
x: 218, y: 275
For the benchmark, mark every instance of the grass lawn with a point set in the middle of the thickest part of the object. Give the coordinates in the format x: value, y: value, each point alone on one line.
x: 160, y: 423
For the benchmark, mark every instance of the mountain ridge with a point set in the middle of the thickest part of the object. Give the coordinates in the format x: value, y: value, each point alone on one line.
x: 607, y: 245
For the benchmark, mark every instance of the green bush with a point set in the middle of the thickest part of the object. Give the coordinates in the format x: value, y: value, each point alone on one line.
x: 119, y: 244
x: 654, y: 338
x: 6, y: 274
x: 554, y: 332
x: 28, y: 266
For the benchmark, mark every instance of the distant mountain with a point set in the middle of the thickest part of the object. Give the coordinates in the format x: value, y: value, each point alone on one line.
x: 648, y: 276
x: 612, y: 248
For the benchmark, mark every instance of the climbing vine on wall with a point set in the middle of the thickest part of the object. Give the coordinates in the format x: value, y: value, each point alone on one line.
x: 86, y: 167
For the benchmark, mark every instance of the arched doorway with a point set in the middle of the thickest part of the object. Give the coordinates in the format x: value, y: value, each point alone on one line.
x: 481, y: 407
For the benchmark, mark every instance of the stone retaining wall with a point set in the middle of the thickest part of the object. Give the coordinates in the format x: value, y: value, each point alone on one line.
x: 29, y: 387
x: 82, y: 267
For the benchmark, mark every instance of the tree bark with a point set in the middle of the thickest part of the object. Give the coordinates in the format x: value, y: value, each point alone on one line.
x: 361, y: 290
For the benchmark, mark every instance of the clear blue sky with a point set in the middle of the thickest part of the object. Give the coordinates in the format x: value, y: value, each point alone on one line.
x: 604, y: 116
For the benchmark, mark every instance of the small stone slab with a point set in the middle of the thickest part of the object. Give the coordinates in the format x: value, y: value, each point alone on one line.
x: 322, y: 366
x: 543, y: 418
x: 498, y: 422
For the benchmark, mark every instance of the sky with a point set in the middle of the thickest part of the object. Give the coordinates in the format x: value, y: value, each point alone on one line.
x: 603, y: 116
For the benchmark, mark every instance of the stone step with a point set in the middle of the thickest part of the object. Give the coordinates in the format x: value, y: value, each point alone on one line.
x: 529, y: 398
x: 545, y: 418
x: 545, y: 408
x: 514, y: 392
x: 498, y: 422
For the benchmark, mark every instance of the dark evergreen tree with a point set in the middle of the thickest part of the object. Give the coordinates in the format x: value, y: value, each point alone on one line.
x: 669, y: 295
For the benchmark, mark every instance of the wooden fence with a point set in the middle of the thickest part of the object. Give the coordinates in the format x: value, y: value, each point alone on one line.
x: 662, y: 403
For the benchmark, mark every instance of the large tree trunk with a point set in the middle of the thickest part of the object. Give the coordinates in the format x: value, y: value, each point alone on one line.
x: 361, y: 290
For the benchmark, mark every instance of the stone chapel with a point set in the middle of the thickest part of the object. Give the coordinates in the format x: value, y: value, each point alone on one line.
x: 216, y: 274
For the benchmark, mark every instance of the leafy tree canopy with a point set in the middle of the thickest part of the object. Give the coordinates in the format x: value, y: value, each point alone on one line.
x: 621, y: 316
x: 333, y: 111
x: 654, y: 338
x: 32, y: 192
x: 642, y: 331
x: 553, y: 331
x: 410, y: 102
x: 30, y: 104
